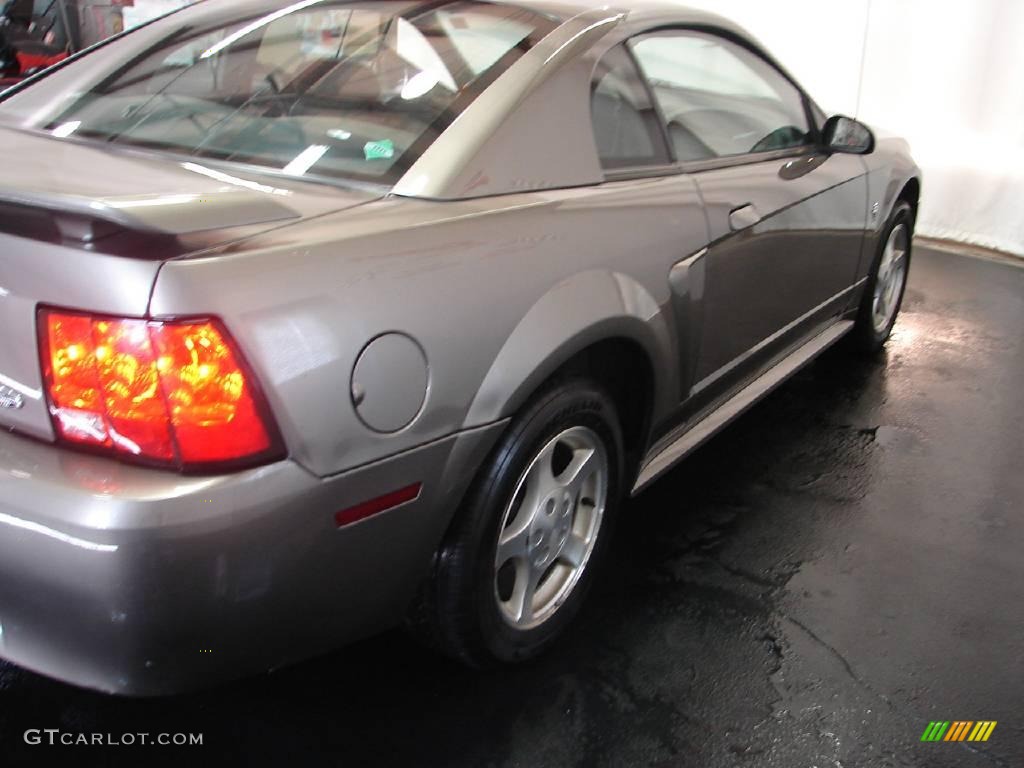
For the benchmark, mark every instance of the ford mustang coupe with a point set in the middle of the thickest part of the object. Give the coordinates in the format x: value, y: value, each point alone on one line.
x: 321, y: 318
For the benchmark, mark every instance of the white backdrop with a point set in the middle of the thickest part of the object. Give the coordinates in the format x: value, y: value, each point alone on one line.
x: 946, y: 74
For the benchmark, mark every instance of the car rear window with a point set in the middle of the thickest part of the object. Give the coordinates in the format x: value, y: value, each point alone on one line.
x: 315, y: 89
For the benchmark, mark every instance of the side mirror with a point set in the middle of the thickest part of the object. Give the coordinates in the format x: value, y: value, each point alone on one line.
x: 844, y: 134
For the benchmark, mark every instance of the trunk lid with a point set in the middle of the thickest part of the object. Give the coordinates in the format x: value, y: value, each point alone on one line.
x: 87, y: 227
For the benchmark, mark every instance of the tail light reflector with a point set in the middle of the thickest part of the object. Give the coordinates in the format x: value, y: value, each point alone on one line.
x: 171, y: 393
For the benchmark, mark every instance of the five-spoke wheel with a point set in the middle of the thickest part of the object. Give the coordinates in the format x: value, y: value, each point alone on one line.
x: 887, y: 280
x: 524, y: 548
x: 892, y: 277
x: 550, y: 526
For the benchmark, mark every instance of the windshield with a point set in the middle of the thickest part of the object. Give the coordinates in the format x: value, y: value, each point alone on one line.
x: 317, y: 88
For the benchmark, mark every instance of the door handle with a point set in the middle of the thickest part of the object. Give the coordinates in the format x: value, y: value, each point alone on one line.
x: 743, y: 217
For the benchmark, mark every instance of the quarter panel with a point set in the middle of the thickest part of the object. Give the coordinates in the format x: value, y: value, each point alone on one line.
x: 578, y: 312
x: 461, y: 278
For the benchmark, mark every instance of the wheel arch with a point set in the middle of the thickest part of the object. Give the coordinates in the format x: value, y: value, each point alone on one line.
x: 598, y: 324
x: 601, y: 324
x: 911, y: 193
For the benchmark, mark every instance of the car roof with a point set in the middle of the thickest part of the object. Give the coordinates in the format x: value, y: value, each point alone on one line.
x: 641, y: 15
x: 641, y: 12
x: 566, y: 9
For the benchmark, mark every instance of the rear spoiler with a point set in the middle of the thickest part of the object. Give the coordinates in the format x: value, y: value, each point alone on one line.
x: 77, y: 193
x: 145, y: 227
x: 82, y: 218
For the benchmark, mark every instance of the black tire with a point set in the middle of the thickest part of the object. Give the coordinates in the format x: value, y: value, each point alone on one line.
x: 865, y: 337
x: 458, y: 610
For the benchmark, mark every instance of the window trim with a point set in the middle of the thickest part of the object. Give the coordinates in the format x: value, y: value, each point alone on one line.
x: 731, y: 161
x: 642, y: 172
x: 749, y: 158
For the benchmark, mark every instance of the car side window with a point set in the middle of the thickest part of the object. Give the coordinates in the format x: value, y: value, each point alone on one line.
x: 719, y: 99
x: 626, y: 125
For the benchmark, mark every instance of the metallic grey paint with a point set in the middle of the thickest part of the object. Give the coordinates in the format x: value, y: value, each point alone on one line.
x: 503, y: 253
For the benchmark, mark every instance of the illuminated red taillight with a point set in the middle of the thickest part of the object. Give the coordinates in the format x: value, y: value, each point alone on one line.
x: 173, y: 393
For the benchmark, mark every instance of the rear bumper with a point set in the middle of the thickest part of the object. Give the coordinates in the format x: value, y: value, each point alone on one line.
x: 141, y: 582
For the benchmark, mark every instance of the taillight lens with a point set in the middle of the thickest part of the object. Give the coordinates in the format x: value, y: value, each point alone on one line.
x: 170, y: 393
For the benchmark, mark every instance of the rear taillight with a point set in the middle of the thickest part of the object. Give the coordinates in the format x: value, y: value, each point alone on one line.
x: 171, y: 393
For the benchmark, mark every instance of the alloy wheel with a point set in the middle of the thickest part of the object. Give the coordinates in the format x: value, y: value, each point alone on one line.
x: 892, y: 274
x: 550, y: 527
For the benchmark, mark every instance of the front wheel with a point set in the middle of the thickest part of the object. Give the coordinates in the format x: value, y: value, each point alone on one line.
x: 523, y: 550
x: 883, y: 295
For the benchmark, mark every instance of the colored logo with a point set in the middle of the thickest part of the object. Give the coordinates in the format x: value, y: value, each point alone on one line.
x: 959, y: 730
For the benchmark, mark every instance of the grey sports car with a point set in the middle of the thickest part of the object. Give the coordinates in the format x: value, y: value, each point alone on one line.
x: 323, y: 318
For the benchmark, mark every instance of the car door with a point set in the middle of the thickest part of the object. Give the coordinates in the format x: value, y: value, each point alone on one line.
x: 633, y: 151
x: 786, y: 220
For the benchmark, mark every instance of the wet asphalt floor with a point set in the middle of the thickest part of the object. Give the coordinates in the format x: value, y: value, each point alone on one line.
x: 838, y: 568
